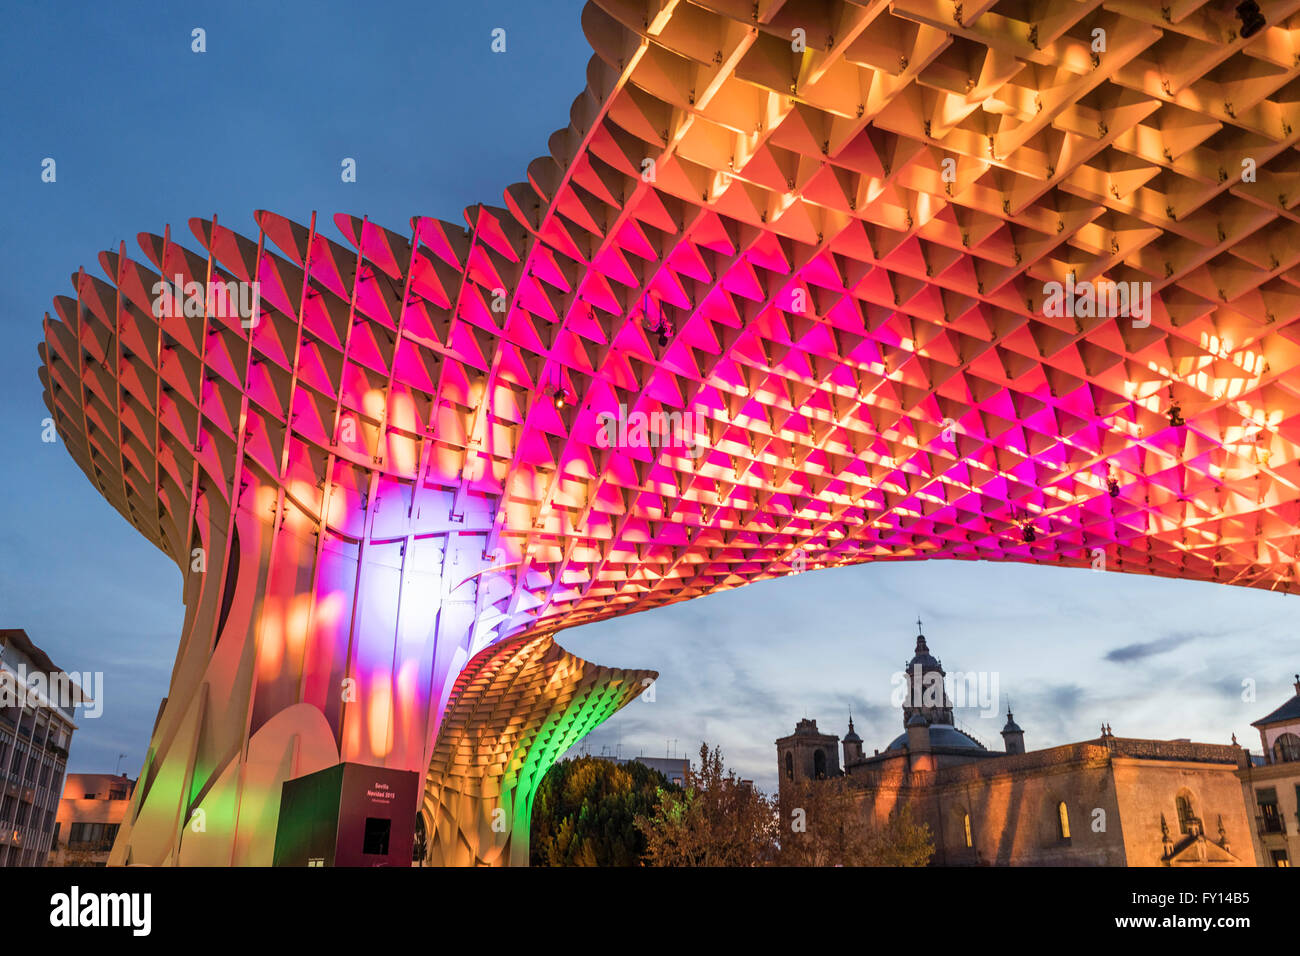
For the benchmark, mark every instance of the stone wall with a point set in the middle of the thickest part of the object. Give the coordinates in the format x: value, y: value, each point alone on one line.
x: 1147, y: 788
x: 1114, y: 791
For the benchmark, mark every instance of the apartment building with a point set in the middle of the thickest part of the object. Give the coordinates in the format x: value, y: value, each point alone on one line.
x: 36, y: 728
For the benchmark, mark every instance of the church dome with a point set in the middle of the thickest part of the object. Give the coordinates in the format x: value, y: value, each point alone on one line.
x: 941, y: 735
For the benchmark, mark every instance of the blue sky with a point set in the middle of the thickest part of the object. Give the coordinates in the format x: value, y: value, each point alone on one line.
x: 145, y: 132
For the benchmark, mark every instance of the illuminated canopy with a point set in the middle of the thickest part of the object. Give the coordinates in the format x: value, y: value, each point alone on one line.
x: 853, y: 244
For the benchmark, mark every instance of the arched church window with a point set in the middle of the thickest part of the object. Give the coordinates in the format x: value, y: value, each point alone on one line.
x: 1063, y: 820
x: 1286, y: 749
x: 965, y: 826
x: 1186, y: 816
x: 789, y: 765
x: 819, y: 764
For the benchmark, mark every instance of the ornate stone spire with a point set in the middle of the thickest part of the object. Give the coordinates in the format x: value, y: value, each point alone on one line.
x: 1012, y: 735
x: 926, y: 694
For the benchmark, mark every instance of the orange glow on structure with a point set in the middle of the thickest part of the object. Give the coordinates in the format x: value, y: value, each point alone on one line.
x: 913, y: 401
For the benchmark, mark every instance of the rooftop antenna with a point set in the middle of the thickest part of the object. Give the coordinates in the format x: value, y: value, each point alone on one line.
x: 119, y: 764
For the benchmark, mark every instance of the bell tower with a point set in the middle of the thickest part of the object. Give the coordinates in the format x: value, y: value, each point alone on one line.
x: 1012, y: 734
x: 807, y: 754
x: 852, y: 745
x: 926, y: 694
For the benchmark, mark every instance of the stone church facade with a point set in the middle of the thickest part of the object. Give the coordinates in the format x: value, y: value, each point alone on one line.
x: 1110, y: 801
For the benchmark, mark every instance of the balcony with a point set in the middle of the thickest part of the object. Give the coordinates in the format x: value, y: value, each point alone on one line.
x: 1266, y: 824
x: 90, y: 846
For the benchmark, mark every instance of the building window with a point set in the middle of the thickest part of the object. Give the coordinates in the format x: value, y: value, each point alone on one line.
x: 95, y: 836
x: 1270, y: 816
x: 789, y: 765
x: 1186, y: 818
x: 1063, y: 820
x: 1286, y: 749
x: 1279, y: 858
x: 965, y: 825
x: 819, y: 764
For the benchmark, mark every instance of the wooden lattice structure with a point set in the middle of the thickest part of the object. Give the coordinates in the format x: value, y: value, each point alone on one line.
x: 830, y: 235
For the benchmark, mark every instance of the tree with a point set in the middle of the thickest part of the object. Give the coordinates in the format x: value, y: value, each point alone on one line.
x: 585, y: 811
x: 822, y: 824
x: 716, y: 820
x: 900, y: 841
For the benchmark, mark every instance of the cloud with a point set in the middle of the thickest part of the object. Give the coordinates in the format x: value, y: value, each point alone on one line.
x: 1062, y: 700
x: 1136, y: 652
